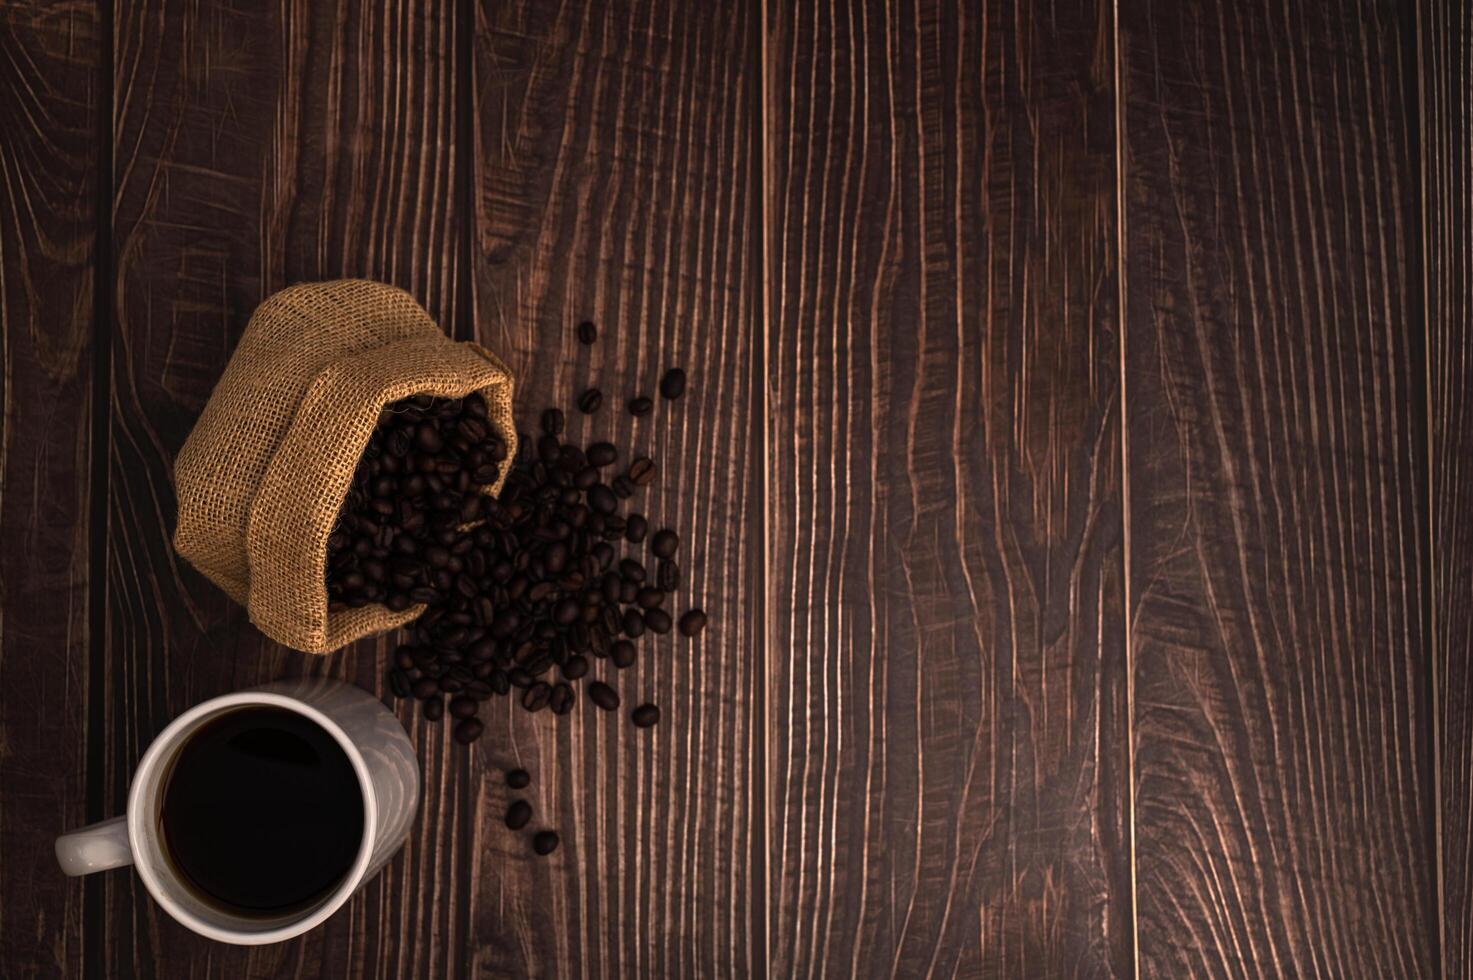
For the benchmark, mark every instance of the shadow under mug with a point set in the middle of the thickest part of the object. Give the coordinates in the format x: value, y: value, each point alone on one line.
x: 381, y: 756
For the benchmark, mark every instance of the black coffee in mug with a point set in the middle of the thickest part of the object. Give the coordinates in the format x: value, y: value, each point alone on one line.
x: 262, y: 811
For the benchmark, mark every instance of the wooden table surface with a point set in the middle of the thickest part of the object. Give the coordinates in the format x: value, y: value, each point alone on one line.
x: 1076, y: 466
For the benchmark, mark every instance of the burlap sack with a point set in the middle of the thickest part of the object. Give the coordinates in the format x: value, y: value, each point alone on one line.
x: 263, y: 475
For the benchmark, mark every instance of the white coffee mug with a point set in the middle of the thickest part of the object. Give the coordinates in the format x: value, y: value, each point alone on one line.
x: 382, y: 758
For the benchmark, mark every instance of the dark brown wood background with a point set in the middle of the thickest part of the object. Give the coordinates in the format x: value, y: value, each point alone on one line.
x: 1074, y: 466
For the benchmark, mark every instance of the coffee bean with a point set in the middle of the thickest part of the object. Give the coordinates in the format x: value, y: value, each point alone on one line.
x: 562, y: 699
x: 672, y: 385
x: 623, y: 487
x: 603, y: 696
x: 552, y: 421
x: 400, y: 442
x: 590, y: 400
x: 692, y: 621
x: 575, y: 667
x: 602, y: 499
x: 602, y: 454
x: 399, y: 682
x: 598, y: 641
x: 633, y: 624
x: 425, y: 687
x: 518, y: 779
x: 658, y: 621
x: 567, y: 611
x: 427, y: 437
x: 536, y: 696
x: 468, y: 730
x: 404, y: 658
x: 640, y: 405
x: 631, y: 570
x: 518, y: 815
x: 635, y: 528
x: 664, y: 543
x: 471, y: 430
x: 544, y: 842
x: 628, y: 591
x: 434, y: 709
x: 587, y: 333
x: 463, y: 707
x: 499, y: 682
x: 578, y: 637
x: 649, y: 598
x: 645, y: 715
x: 642, y: 472
x: 621, y: 653
x: 667, y: 575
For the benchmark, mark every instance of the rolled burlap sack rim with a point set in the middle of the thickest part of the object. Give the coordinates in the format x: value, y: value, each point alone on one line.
x: 296, y: 506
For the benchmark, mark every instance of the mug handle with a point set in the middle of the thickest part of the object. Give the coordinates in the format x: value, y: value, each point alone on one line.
x: 100, y: 847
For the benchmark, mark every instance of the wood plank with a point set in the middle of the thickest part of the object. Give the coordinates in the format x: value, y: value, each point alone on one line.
x: 949, y: 724
x: 616, y: 179
x: 259, y: 146
x: 50, y: 59
x: 1445, y: 60
x: 1277, y: 515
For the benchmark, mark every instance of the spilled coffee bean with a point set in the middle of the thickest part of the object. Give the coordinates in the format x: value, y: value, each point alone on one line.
x: 604, y: 696
x: 545, y: 842
x: 641, y: 472
x: 692, y: 622
x: 665, y: 543
x: 518, y: 815
x: 672, y: 385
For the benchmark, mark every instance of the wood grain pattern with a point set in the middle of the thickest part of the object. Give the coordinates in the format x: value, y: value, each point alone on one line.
x: 49, y: 61
x: 948, y: 716
x: 616, y: 179
x: 1277, y: 517
x: 1445, y: 61
x: 259, y: 146
x: 1074, y: 467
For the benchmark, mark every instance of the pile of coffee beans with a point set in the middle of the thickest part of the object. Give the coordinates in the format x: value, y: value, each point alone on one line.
x: 423, y: 475
x: 539, y: 590
x: 525, y: 593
